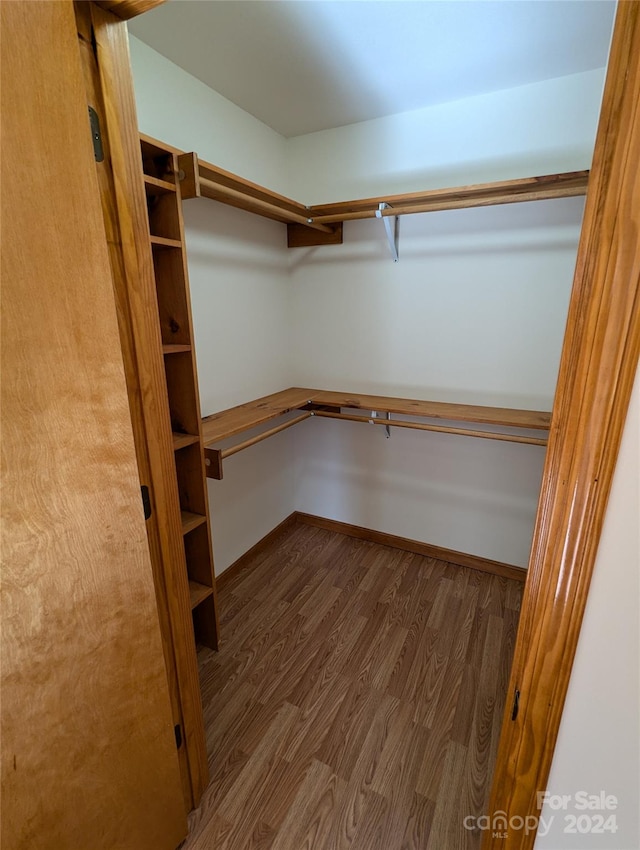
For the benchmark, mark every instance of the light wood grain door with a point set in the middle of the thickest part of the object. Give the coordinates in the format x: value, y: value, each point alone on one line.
x: 88, y: 748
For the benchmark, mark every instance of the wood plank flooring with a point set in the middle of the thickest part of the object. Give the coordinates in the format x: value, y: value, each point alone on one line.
x: 355, y: 701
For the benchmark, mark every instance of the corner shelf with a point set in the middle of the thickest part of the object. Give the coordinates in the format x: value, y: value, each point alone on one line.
x: 322, y: 224
x: 166, y: 236
x: 328, y: 404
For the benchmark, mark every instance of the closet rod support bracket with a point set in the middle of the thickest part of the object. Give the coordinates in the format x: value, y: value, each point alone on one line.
x: 392, y: 230
x: 376, y: 415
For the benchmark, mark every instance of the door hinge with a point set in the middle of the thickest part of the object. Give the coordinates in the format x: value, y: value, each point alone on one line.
x: 516, y: 704
x: 178, y: 733
x: 146, y: 501
x: 96, y: 135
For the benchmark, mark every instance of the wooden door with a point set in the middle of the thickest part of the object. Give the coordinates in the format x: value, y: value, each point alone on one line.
x: 88, y: 747
x: 104, y: 53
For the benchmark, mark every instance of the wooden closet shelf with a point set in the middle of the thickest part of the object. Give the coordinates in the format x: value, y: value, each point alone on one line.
x: 215, y: 179
x: 163, y: 242
x: 234, y: 421
x: 503, y: 416
x: 175, y: 348
x: 198, y: 593
x: 325, y: 403
x: 547, y: 187
x: 156, y: 186
x: 201, y: 179
x: 191, y: 521
x: 180, y: 441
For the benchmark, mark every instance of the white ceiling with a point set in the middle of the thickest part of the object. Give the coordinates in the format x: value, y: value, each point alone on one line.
x: 303, y: 65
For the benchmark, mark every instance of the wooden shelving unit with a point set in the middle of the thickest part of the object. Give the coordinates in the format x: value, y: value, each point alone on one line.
x: 328, y: 404
x: 322, y: 224
x: 166, y: 235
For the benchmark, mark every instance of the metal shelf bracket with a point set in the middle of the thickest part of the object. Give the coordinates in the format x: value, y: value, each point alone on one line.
x: 393, y: 230
x: 387, y: 428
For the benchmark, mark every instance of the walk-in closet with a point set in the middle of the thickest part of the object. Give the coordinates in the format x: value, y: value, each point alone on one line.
x: 326, y: 336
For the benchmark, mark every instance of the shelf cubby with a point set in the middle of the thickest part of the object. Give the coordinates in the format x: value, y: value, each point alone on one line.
x: 173, y: 302
x: 166, y: 236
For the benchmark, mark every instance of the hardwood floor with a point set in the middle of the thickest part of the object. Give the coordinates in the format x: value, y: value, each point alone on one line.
x: 355, y: 701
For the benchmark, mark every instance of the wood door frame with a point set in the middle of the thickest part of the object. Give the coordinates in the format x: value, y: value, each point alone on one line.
x: 597, y: 369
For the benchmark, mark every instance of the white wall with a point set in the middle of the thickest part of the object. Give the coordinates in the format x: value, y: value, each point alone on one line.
x: 240, y: 299
x: 542, y: 128
x: 474, y: 311
x: 598, y: 747
x: 178, y: 109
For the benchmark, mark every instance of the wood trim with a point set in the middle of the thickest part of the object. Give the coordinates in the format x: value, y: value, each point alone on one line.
x: 598, y: 364
x: 405, y: 544
x: 127, y: 9
x: 120, y: 122
x: 460, y: 559
x: 224, y: 578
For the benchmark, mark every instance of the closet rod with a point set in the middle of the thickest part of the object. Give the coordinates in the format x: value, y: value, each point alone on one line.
x: 260, y: 437
x: 461, y: 203
x: 284, y: 214
x: 444, y: 429
x: 214, y: 457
